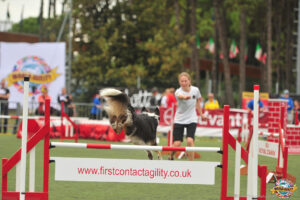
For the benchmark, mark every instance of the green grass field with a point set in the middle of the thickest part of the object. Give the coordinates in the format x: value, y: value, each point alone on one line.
x: 58, y: 190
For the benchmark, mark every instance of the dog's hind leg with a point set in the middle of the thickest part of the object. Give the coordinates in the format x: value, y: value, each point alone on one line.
x: 150, y: 156
x: 159, y: 155
x: 153, y: 143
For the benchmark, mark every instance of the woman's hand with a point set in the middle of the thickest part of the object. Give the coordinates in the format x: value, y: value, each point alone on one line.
x: 203, y: 117
x: 184, y: 97
x: 187, y: 97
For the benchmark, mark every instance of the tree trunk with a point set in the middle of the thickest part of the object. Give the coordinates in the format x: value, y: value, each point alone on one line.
x: 195, y: 63
x: 41, y: 20
x: 242, y: 52
x: 278, y: 39
x: 214, y: 71
x: 63, y: 7
x: 220, y: 19
x: 187, y: 19
x: 177, y: 13
x: 269, y: 46
x: 288, y: 45
x: 49, y: 9
x: 54, y: 8
x: 179, y: 27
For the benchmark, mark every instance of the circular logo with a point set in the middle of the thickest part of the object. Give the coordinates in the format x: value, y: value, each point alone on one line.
x: 33, y: 65
x: 283, y: 188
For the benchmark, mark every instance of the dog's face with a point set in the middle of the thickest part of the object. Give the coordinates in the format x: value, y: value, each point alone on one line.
x: 119, y: 122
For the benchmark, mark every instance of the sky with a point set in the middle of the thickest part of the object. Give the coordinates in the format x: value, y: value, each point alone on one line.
x: 31, y: 8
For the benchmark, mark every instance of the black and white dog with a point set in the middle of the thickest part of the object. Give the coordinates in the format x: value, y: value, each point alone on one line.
x: 140, y: 128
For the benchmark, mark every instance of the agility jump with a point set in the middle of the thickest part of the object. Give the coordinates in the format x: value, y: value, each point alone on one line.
x: 43, y: 133
x: 277, y: 150
x: 71, y: 131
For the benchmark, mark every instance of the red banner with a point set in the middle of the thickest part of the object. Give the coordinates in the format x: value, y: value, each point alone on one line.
x: 215, y: 118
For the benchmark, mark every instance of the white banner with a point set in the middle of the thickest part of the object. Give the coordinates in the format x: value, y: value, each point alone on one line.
x: 269, y: 149
x: 43, y: 62
x: 134, y: 171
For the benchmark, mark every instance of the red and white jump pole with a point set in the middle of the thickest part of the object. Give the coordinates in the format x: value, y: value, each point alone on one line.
x: 228, y: 139
x: 20, y: 157
x: 71, y: 129
x: 170, y: 132
x: 24, y: 139
x: 253, y: 151
x: 133, y: 147
x: 282, y: 149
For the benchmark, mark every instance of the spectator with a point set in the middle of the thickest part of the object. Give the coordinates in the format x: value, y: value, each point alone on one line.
x: 211, y: 103
x: 171, y: 99
x: 250, y: 105
x: 41, y: 100
x: 290, y: 107
x: 67, y: 99
x: 4, y: 96
x: 155, y: 98
x: 297, y: 108
x: 96, y: 109
x: 163, y: 102
x: 189, y: 99
x: 71, y: 107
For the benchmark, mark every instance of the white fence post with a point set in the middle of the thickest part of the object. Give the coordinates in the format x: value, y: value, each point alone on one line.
x: 24, y: 139
x: 237, y: 174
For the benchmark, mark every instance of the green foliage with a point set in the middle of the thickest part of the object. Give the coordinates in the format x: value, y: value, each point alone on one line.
x: 127, y: 41
x: 29, y: 25
x: 118, y: 41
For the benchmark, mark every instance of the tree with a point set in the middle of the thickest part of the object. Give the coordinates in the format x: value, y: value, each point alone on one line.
x: 269, y: 44
x: 218, y: 4
x: 288, y: 16
x: 195, y: 59
x: 278, y: 30
x: 243, y: 39
x: 117, y: 44
x: 41, y: 20
x: 29, y: 25
x: 214, y: 73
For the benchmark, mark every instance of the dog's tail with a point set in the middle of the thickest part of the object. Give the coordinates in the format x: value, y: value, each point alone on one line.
x: 111, y: 94
x: 117, y: 101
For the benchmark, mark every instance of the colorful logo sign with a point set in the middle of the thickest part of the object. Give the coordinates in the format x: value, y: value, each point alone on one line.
x: 283, y: 188
x: 40, y: 73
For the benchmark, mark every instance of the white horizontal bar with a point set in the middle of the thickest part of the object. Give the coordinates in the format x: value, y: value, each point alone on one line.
x: 69, y: 144
x: 134, y: 147
x: 268, y: 134
x: 19, y: 117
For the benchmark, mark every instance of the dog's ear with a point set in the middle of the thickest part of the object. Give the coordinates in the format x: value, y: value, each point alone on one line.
x: 144, y: 109
x: 156, y: 111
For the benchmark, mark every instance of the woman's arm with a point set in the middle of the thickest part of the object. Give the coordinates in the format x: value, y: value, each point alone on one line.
x: 199, y: 108
x: 184, y: 97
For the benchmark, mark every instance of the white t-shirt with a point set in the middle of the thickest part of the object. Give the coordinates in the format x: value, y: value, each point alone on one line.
x: 2, y: 91
x: 186, y: 109
x: 164, y: 101
x: 62, y: 98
